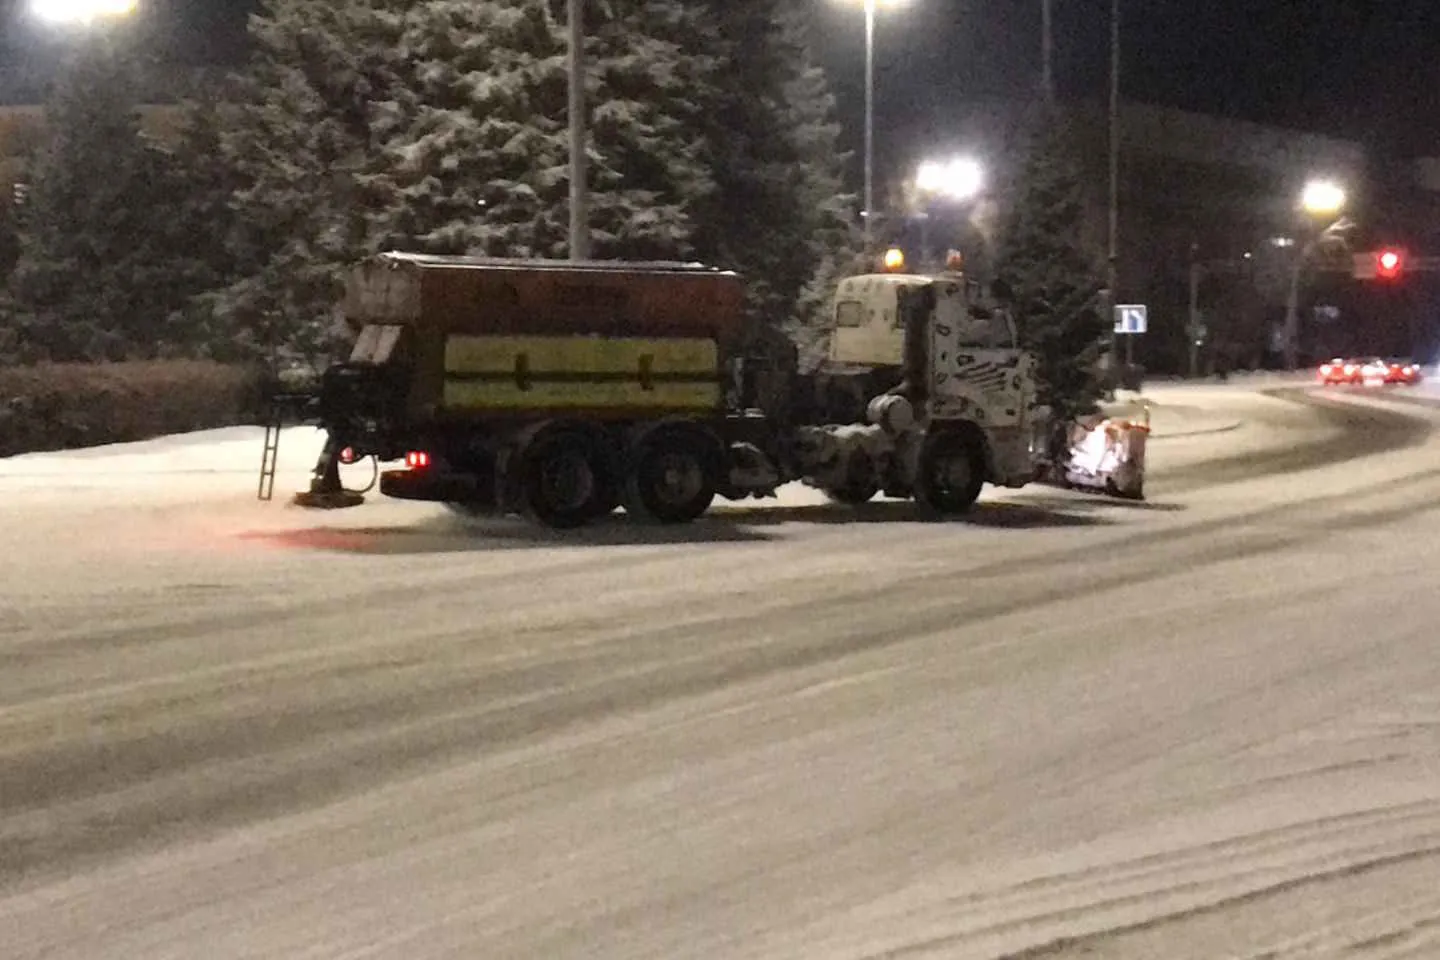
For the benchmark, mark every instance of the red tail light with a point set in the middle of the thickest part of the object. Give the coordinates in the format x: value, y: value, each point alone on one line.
x: 347, y: 456
x: 417, y: 459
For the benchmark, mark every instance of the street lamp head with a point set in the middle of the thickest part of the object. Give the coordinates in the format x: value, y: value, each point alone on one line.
x: 958, y: 179
x: 80, y: 11
x: 1323, y: 197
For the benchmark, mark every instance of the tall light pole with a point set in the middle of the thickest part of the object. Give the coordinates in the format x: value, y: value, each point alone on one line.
x: 868, y: 214
x: 1112, y: 280
x: 1323, y: 199
x: 579, y: 175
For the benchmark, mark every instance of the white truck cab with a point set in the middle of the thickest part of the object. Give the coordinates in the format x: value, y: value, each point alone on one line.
x: 869, y: 330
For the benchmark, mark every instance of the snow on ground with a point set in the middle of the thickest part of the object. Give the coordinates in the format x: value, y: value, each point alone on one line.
x: 1201, y: 726
x: 218, y: 460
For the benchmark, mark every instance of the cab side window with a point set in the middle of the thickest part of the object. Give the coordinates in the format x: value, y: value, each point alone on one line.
x: 988, y: 329
x: 849, y: 313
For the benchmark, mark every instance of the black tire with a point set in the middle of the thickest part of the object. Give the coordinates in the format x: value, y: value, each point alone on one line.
x: 853, y: 494
x: 951, y: 472
x: 860, y: 484
x: 672, y: 478
x: 564, y: 480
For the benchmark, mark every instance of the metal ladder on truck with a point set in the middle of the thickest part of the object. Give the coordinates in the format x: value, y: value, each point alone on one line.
x: 281, y: 404
x: 270, y: 458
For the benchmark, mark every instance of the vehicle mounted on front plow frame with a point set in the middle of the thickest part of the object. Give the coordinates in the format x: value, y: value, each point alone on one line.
x: 563, y: 390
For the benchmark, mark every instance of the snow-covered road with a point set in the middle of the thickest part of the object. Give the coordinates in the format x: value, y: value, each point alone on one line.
x: 1204, y: 726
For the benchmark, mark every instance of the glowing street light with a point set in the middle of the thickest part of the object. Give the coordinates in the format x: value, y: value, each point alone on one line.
x: 959, y: 179
x: 871, y: 7
x: 1322, y: 198
x: 81, y: 11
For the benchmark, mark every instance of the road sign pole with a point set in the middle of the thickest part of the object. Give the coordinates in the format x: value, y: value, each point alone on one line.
x: 1131, y: 320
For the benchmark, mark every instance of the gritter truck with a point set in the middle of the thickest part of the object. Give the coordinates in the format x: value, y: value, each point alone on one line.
x: 563, y: 391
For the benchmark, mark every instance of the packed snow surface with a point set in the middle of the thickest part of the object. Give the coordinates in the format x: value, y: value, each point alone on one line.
x: 1207, y: 725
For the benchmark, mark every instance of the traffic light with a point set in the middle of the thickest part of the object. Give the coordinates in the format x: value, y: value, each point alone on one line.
x: 1386, y: 263
x: 1389, y: 263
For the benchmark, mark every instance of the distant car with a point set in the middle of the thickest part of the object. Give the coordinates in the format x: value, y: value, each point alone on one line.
x: 1374, y: 372
x: 1339, y: 372
x: 1405, y: 372
x: 1377, y: 372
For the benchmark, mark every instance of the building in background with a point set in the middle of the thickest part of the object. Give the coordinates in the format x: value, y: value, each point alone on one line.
x: 22, y: 131
x: 22, y: 118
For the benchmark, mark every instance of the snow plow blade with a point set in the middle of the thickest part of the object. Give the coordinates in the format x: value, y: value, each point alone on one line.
x: 1108, y: 456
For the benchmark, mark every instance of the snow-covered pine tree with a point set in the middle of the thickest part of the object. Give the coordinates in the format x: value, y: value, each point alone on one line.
x: 440, y: 126
x: 1054, y: 277
x: 756, y: 219
x: 94, y: 278
x: 197, y: 231
x: 779, y: 214
x: 303, y: 151
x: 479, y: 146
x: 835, y: 247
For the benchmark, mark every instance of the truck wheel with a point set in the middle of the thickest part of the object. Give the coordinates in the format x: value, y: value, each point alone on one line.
x: 563, y: 480
x: 672, y: 479
x: 853, y: 494
x: 951, y: 473
x: 860, y: 484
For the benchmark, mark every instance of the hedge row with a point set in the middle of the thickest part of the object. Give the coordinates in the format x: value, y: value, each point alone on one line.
x: 66, y: 406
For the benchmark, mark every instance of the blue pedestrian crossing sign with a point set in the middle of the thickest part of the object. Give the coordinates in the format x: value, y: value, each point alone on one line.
x: 1130, y: 318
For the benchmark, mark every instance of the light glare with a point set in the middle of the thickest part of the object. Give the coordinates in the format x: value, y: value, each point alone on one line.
x: 1323, y: 196
x: 958, y: 179
x: 80, y: 11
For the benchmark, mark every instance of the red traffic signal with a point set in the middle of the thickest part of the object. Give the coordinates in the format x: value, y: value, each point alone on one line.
x: 1389, y: 263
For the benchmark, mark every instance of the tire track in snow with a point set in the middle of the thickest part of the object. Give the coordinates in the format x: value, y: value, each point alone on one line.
x: 1081, y: 909
x: 1392, y: 932
x: 1366, y: 431
x: 329, y: 743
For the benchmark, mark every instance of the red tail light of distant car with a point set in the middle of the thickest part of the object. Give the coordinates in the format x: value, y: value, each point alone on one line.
x: 1339, y: 371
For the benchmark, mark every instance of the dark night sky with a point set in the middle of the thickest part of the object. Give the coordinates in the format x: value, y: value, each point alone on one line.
x: 1361, y: 68
x: 1358, y: 68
